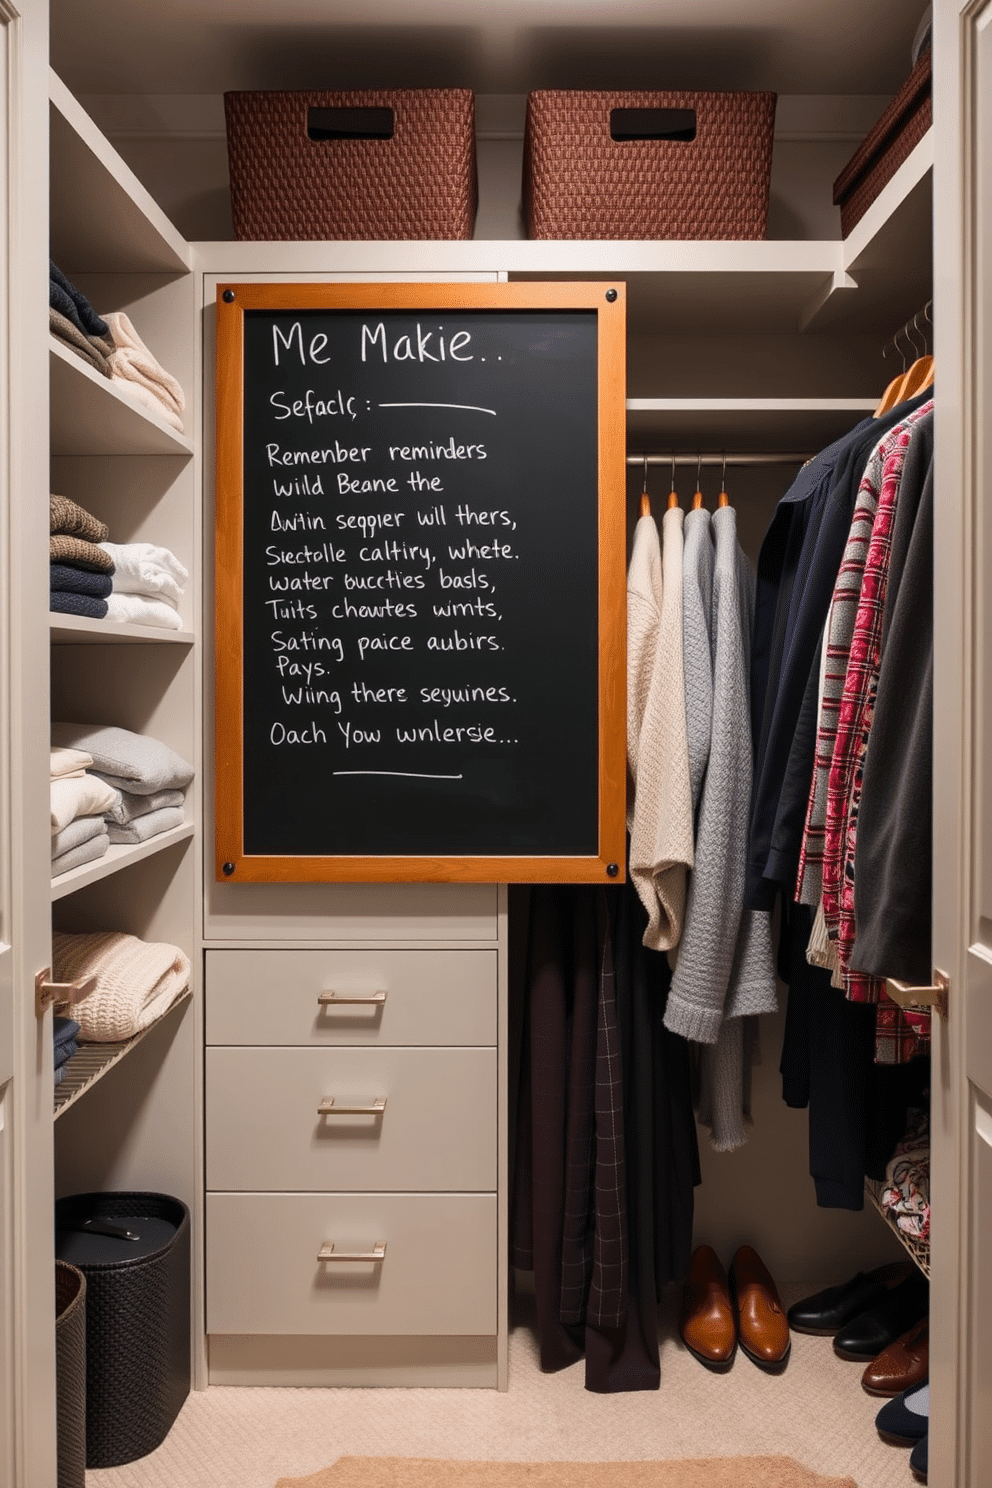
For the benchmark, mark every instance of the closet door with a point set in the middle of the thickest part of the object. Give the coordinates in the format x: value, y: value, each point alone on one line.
x: 961, y: 1191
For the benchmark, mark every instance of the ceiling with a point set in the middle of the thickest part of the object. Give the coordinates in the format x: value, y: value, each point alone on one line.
x: 491, y: 46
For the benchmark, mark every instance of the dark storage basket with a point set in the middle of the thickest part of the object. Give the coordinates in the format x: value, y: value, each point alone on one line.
x: 137, y: 1317
x: 390, y: 164
x: 70, y: 1374
x: 893, y: 139
x: 647, y: 165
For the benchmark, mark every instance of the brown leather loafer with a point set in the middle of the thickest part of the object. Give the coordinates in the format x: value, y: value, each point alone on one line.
x: 762, y: 1326
x: 707, y: 1323
x: 903, y: 1364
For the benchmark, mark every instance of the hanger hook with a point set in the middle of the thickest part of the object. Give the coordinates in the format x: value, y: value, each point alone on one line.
x: 902, y: 354
x: 723, y: 473
x: 699, y: 467
x: 673, y: 470
x: 645, y: 486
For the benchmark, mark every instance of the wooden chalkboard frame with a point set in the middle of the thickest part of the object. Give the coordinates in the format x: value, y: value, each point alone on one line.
x: 233, y: 864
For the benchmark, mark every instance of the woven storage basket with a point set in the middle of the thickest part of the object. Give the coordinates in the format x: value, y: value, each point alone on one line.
x: 879, y: 156
x: 70, y: 1374
x: 137, y: 1318
x: 581, y: 182
x: 297, y: 174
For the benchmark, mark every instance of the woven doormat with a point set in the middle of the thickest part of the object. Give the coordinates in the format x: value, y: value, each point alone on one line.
x: 699, y: 1472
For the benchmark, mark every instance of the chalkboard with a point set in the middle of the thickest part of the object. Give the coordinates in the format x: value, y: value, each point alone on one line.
x: 420, y: 582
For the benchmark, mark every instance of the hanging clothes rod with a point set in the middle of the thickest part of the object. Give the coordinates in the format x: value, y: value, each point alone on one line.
x: 778, y: 458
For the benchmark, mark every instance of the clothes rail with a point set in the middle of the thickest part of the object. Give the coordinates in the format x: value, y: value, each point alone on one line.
x: 778, y: 458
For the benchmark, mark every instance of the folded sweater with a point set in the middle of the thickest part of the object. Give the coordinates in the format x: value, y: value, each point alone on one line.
x: 68, y: 517
x: 150, y: 825
x: 129, y: 761
x: 137, y: 980
x: 73, y: 303
x: 76, y: 550
x: 69, y: 578
x: 87, y: 348
x: 145, y: 568
x: 64, y: 602
x: 130, y: 806
x: 79, y: 830
x: 68, y: 762
x: 86, y: 852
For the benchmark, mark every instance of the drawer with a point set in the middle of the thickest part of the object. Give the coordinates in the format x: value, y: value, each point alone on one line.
x: 437, y: 1131
x: 437, y: 1275
x: 406, y: 997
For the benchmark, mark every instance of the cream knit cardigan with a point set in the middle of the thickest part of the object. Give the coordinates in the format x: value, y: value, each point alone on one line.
x: 659, y: 815
x: 136, y: 980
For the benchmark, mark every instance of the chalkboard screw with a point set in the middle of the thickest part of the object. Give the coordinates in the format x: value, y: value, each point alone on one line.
x: 611, y: 295
x: 612, y: 870
x: 228, y: 869
x: 228, y: 298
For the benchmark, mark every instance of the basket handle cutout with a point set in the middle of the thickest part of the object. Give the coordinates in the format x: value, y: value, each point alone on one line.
x: 350, y: 123
x: 652, y: 124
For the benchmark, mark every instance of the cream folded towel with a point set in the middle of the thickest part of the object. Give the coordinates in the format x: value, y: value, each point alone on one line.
x: 80, y: 795
x: 132, y: 362
x: 137, y: 980
x: 138, y: 609
x: 145, y: 568
x: 68, y: 762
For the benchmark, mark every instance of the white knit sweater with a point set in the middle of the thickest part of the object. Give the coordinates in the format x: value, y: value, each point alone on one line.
x: 660, y: 813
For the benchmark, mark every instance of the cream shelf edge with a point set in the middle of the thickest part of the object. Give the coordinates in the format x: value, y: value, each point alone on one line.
x: 91, y: 416
x: 116, y: 858
x: 77, y: 630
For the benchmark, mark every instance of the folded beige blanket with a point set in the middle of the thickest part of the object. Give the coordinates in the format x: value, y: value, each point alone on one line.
x: 131, y: 362
x: 68, y: 517
x: 66, y: 762
x: 80, y: 795
x: 136, y: 980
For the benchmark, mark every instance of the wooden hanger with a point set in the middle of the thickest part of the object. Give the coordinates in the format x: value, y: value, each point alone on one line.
x: 890, y: 397
x: 645, y: 498
x: 673, y: 495
x: 915, y: 379
x: 697, y: 499
x: 723, y: 499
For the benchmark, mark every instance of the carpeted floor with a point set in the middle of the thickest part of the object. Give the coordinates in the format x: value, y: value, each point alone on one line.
x: 815, y: 1412
x: 701, y: 1472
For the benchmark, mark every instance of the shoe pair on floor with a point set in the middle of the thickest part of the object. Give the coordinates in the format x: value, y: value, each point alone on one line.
x: 878, y: 1316
x: 905, y: 1421
x: 720, y: 1310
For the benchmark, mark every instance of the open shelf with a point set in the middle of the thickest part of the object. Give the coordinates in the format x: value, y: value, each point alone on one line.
x: 78, y: 630
x: 116, y: 858
x: 93, y: 1061
x: 91, y: 415
x: 102, y: 218
x: 685, y: 425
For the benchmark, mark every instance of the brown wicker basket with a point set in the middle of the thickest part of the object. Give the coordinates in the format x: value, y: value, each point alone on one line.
x: 882, y: 152
x: 369, y: 164
x: 695, y: 165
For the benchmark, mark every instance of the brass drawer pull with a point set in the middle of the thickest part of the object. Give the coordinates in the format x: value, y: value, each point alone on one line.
x: 328, y: 1253
x: 330, y: 1108
x: 363, y: 999
x: 935, y: 996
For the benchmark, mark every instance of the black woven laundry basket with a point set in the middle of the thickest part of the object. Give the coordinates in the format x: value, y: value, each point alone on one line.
x: 70, y: 1374
x: 137, y: 1316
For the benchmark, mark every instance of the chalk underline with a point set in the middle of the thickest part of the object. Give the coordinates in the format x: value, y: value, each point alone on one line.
x: 465, y: 407
x: 411, y: 774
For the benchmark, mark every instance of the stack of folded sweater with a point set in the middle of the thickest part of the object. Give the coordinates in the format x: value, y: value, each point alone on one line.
x: 134, y: 368
x: 112, y: 347
x: 64, y: 1031
x: 148, y: 778
x: 74, y: 322
x: 79, y: 800
x: 148, y: 584
x: 136, y: 980
x: 81, y: 577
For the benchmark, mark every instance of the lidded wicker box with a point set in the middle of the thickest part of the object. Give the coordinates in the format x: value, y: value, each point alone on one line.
x: 373, y: 163
x: 649, y: 165
x: 894, y: 137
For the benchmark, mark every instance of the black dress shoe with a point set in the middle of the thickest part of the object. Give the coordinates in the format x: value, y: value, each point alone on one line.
x: 866, y: 1335
x: 826, y: 1312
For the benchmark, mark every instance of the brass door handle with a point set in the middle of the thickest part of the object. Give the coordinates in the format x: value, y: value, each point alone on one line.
x: 908, y: 996
x: 47, y: 992
x: 363, y: 999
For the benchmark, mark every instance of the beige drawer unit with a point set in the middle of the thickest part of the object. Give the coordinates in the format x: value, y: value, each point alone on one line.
x: 286, y: 1264
x: 378, y: 1119
x: 361, y: 997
